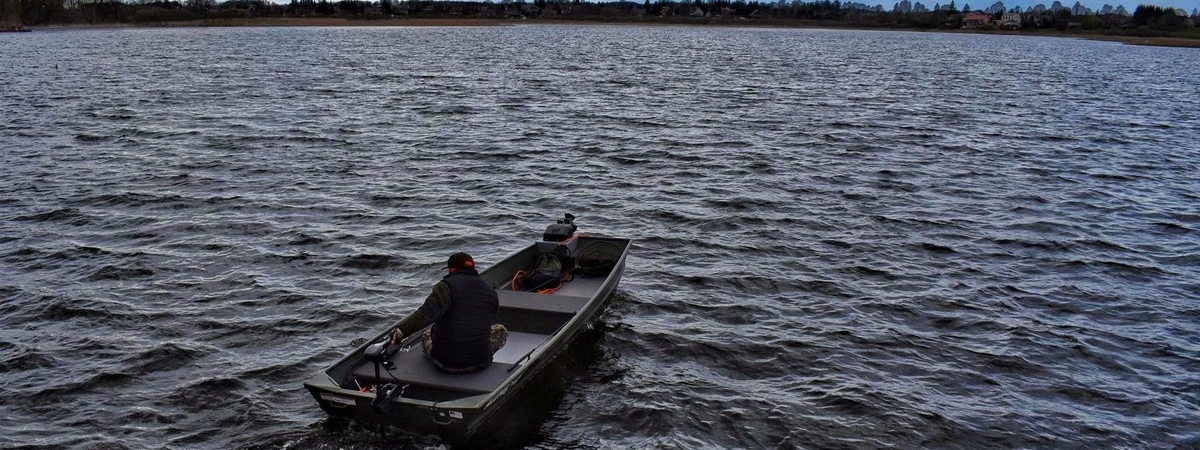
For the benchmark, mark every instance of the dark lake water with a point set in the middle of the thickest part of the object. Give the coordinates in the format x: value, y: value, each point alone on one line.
x: 845, y: 239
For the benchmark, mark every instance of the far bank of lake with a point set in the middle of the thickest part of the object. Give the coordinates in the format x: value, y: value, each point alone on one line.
x: 488, y: 22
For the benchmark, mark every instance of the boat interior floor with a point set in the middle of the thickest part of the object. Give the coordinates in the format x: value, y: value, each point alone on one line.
x: 412, y: 367
x: 578, y: 286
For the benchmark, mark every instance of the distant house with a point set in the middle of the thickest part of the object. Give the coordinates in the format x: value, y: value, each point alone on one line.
x: 1011, y: 20
x: 974, y: 20
x: 697, y: 12
x: 531, y: 10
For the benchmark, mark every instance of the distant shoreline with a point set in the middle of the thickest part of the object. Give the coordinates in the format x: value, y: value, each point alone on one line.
x: 296, y: 22
x: 490, y: 22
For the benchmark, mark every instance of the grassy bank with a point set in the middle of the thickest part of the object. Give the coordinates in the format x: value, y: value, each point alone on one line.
x: 1153, y: 41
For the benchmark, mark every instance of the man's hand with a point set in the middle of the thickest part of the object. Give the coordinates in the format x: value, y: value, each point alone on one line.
x: 397, y: 335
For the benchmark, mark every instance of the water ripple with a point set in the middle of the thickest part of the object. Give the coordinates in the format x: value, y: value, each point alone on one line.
x: 845, y: 239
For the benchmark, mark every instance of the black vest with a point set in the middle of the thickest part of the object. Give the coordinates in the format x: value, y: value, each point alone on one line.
x: 462, y: 337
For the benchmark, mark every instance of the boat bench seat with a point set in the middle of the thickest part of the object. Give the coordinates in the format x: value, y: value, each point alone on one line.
x: 412, y: 367
x: 533, y: 301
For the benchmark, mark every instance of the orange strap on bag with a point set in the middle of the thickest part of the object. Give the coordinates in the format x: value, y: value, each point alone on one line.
x: 520, y: 275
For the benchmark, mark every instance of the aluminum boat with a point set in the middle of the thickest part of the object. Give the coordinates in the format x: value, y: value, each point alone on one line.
x: 399, y: 388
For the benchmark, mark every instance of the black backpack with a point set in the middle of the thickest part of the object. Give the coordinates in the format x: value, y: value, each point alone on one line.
x: 545, y: 273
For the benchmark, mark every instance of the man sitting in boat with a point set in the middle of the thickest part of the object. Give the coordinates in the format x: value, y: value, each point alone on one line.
x: 462, y: 309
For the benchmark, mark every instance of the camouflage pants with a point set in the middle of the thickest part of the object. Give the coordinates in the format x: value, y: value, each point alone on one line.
x: 498, y: 338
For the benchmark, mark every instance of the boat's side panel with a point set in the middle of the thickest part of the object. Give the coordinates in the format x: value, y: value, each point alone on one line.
x: 604, y: 293
x: 499, y: 275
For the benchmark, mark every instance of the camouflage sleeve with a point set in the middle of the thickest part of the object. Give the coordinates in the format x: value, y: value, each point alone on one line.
x: 435, y: 305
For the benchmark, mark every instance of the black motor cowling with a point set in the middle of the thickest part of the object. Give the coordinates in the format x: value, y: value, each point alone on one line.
x: 380, y: 351
x: 561, y: 231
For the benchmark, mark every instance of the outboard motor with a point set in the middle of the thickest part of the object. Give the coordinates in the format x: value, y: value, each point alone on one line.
x: 559, y: 240
x: 561, y: 231
x: 554, y: 261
